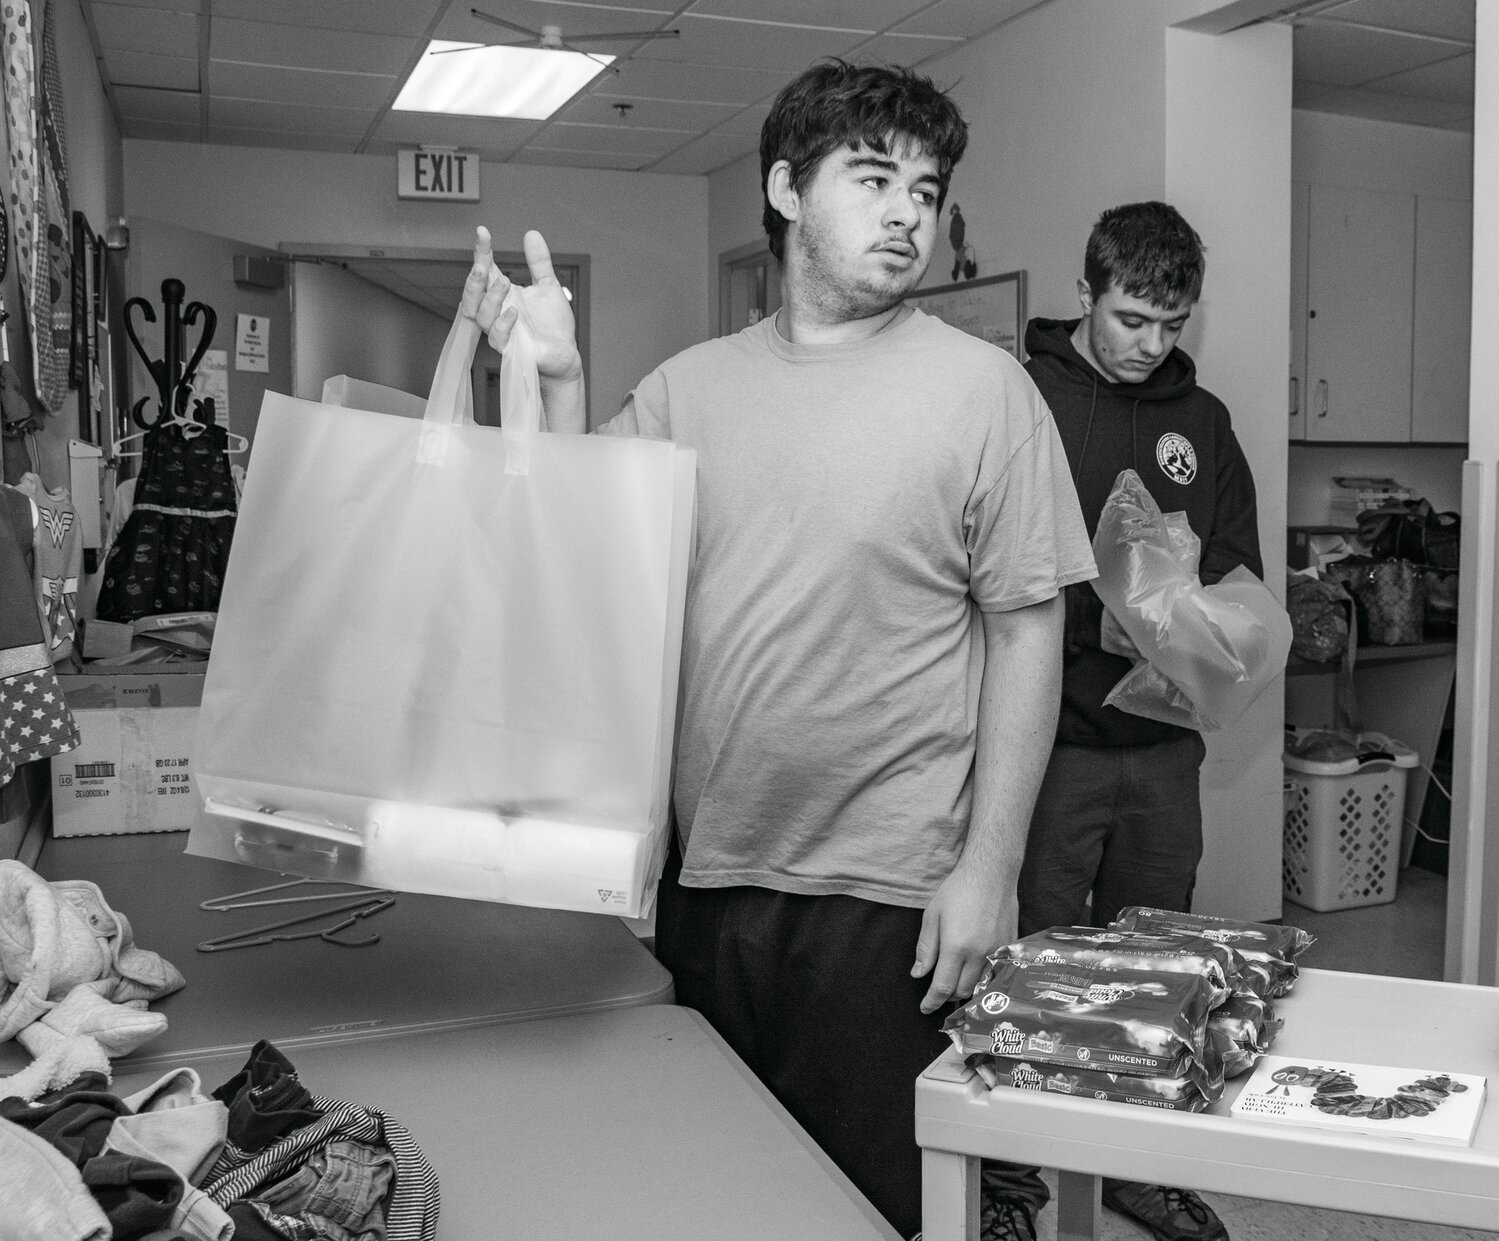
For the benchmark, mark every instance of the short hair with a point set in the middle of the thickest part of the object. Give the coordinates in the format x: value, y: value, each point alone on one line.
x: 835, y: 103
x: 1146, y: 250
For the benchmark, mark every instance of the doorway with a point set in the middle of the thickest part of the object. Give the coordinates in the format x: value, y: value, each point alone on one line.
x: 407, y: 292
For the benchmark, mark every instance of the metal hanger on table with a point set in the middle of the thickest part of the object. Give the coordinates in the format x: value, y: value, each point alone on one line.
x: 236, y: 900
x: 272, y: 932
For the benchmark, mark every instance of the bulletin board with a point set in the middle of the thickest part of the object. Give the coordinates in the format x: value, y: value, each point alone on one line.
x: 991, y: 308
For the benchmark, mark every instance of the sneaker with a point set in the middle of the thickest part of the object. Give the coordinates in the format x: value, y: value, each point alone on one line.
x: 1005, y: 1219
x: 1170, y: 1214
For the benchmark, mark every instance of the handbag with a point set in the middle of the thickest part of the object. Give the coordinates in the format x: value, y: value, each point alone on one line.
x: 446, y: 655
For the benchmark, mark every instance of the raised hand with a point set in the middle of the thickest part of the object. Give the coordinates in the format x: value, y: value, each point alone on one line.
x: 544, y: 302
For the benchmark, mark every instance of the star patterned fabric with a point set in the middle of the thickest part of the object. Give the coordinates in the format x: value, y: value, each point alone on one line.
x: 34, y: 720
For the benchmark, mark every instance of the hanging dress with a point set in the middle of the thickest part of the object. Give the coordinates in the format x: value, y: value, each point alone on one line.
x: 171, y: 553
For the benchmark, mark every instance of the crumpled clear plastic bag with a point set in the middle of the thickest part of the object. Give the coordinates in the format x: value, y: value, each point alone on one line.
x: 1203, y: 653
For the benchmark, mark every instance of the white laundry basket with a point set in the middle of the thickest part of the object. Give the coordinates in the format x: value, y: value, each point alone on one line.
x: 1343, y: 825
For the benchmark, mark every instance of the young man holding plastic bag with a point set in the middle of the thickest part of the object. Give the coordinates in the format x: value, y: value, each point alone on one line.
x: 1118, y: 820
x: 871, y: 660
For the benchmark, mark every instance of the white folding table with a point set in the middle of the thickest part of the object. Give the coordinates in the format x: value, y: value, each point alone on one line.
x: 1358, y: 1018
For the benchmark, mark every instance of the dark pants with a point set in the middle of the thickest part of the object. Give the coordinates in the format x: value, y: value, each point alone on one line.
x: 1115, y: 826
x: 1112, y: 827
x: 814, y: 993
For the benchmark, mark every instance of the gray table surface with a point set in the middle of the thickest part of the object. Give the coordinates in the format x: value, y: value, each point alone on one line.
x: 439, y: 963
x: 635, y: 1124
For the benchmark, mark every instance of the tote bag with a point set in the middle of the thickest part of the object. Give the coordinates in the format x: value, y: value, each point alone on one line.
x: 446, y: 655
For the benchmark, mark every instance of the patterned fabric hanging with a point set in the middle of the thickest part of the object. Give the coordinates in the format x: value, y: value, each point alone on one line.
x: 20, y: 128
x: 35, y: 721
x: 53, y: 287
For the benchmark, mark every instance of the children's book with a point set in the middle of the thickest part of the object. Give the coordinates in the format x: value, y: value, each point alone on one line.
x: 1424, y: 1104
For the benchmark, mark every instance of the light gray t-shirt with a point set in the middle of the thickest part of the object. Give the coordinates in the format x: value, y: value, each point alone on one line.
x: 856, y: 502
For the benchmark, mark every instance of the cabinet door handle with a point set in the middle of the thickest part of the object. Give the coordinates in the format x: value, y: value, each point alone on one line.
x: 1295, y: 396
x: 1322, y: 398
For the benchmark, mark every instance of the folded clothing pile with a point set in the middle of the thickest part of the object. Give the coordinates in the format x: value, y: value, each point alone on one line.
x: 1156, y: 1010
x: 261, y: 1158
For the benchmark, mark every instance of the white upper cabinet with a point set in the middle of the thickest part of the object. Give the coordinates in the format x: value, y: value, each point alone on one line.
x: 1360, y: 269
x: 1379, y: 316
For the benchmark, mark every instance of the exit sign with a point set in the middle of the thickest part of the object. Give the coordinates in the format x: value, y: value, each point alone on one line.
x: 443, y: 174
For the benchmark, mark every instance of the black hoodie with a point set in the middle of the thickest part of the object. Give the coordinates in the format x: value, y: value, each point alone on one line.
x: 1177, y: 437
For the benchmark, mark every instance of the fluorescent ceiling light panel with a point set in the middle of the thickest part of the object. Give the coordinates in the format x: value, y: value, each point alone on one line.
x: 527, y: 83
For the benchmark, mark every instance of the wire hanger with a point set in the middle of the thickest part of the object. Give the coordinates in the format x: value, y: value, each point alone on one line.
x: 271, y: 932
x: 180, y: 416
x: 236, y: 900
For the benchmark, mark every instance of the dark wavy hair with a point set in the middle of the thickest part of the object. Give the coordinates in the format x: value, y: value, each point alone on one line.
x: 836, y: 104
x: 1146, y: 250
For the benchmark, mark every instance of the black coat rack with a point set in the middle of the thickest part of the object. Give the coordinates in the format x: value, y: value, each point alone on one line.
x: 171, y: 377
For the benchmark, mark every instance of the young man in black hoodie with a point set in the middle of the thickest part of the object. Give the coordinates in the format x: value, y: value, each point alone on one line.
x: 1118, y: 821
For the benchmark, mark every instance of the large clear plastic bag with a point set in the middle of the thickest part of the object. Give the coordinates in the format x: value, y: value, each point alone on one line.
x: 1203, y: 653
x: 446, y: 656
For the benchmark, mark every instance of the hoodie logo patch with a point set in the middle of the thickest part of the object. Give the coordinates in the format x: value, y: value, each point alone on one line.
x: 1176, y: 457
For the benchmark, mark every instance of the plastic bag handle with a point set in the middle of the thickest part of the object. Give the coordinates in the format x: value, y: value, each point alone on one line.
x: 451, y: 400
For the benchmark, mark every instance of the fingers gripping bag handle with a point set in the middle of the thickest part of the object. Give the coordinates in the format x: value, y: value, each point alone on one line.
x: 451, y: 400
x: 520, y: 389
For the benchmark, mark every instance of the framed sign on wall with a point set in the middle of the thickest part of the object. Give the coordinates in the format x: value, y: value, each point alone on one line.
x: 991, y: 308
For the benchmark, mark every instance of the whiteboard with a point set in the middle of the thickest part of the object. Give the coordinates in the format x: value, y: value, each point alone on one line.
x: 992, y: 308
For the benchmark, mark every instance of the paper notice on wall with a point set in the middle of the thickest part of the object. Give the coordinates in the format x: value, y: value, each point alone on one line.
x: 212, y: 382
x: 252, y: 344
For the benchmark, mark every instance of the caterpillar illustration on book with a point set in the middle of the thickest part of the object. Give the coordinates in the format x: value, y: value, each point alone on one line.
x: 1336, y: 1092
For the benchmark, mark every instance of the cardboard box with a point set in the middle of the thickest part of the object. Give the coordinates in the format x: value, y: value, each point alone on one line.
x: 132, y: 770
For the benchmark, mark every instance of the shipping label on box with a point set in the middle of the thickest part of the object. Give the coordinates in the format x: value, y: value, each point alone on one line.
x: 132, y: 770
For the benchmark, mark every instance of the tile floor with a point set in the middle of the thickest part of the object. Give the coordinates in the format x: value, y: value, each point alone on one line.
x: 1404, y: 938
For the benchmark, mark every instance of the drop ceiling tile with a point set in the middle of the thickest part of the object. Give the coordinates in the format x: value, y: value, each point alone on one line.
x: 178, y: 107
x: 306, y: 86
x: 851, y: 14
x: 760, y: 45
x: 267, y: 43
x: 662, y: 79
x: 159, y: 31
x: 597, y: 108
x: 173, y: 6
x: 620, y: 161
x: 346, y: 123
x: 483, y: 134
x: 1449, y: 81
x: 902, y: 49
x: 408, y: 18
x: 966, y: 18
x: 1453, y: 19
x: 747, y: 121
x: 1351, y: 56
x: 142, y: 69
x: 560, y: 136
x: 160, y: 131
x: 225, y: 135
x: 574, y: 19
x: 710, y: 152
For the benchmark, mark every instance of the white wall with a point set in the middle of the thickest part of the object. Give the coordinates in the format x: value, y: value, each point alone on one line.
x: 1228, y: 162
x: 1473, y: 897
x: 646, y: 234
x: 348, y: 326
x: 1380, y: 155
x: 95, y: 186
